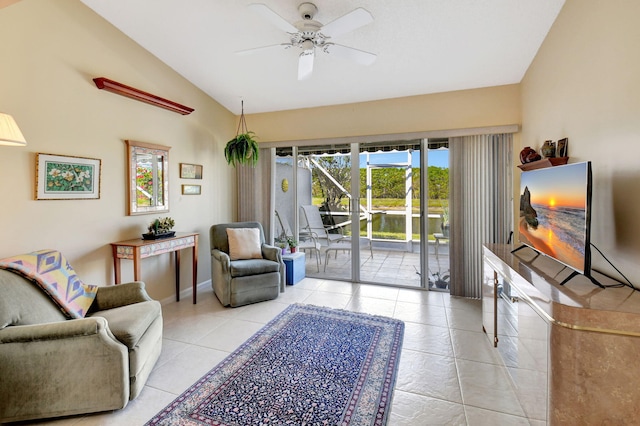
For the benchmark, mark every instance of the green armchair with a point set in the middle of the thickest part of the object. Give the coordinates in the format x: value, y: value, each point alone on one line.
x: 247, y: 280
x: 52, y: 366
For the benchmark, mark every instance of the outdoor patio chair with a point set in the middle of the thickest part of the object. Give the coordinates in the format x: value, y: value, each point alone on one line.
x: 307, y: 242
x: 334, y: 242
x: 314, y: 226
x: 345, y: 245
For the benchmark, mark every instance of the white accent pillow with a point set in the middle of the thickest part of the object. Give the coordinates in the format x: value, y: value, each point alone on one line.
x: 244, y: 243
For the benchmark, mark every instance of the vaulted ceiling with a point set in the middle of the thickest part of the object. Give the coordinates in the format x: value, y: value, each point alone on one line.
x: 422, y: 47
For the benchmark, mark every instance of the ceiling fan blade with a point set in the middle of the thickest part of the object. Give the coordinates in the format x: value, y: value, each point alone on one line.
x: 305, y: 64
x: 263, y: 48
x: 273, y: 17
x: 359, y: 56
x: 349, y: 22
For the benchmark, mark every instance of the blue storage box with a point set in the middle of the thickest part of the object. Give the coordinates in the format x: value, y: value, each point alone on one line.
x: 294, y: 264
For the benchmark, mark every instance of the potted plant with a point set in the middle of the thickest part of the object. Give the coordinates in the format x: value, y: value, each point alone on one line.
x: 440, y: 281
x: 160, y: 228
x: 243, y: 148
x: 292, y: 244
x: 282, y: 243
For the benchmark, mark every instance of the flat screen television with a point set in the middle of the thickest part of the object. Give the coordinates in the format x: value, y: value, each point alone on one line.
x: 555, y: 205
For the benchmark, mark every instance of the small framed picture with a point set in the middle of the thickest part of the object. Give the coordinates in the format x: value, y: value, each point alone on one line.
x: 190, y: 171
x: 563, y: 147
x: 62, y: 177
x: 191, y: 189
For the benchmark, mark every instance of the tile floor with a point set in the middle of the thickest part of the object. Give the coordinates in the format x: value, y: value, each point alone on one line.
x: 385, y: 266
x: 448, y: 375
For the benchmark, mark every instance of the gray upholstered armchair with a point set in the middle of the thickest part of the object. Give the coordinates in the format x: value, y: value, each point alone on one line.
x: 52, y: 366
x: 244, y: 270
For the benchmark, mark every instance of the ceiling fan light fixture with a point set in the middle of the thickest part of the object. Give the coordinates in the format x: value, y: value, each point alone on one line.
x: 307, y: 45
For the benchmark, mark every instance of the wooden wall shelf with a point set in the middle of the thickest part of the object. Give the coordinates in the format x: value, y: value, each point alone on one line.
x: 131, y: 92
x: 545, y: 162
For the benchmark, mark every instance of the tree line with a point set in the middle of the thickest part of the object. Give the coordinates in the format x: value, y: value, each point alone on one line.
x: 387, y: 182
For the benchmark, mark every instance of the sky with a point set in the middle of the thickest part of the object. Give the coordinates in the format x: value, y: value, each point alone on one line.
x: 437, y: 157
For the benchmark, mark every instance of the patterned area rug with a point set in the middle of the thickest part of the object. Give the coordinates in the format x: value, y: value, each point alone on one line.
x: 308, y: 366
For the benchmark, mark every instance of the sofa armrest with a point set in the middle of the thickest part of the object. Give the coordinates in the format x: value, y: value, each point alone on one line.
x: 275, y: 254
x: 223, y: 258
x: 53, y: 330
x: 60, y: 369
x: 271, y: 253
x: 119, y: 295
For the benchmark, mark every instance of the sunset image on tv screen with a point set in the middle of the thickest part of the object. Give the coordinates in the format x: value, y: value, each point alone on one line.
x: 553, y: 212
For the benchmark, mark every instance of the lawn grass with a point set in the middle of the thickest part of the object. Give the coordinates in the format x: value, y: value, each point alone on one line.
x: 396, y: 204
x: 435, y: 206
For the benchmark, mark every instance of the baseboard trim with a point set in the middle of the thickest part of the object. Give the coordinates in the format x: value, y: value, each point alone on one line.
x: 186, y: 293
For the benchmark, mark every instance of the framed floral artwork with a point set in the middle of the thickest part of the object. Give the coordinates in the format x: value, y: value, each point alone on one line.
x: 61, y: 177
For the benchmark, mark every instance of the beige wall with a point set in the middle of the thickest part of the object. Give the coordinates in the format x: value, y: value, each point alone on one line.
x: 584, y: 84
x: 51, y: 52
x: 491, y: 106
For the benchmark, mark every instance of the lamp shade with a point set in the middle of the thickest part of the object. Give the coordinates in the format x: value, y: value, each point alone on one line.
x: 10, y: 134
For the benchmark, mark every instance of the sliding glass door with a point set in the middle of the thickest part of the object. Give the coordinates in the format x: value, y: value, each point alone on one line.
x: 389, y: 177
x: 438, y: 223
x: 327, y: 217
x: 364, y: 207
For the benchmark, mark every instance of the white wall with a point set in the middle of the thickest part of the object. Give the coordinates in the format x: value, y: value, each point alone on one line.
x: 584, y: 84
x: 51, y: 52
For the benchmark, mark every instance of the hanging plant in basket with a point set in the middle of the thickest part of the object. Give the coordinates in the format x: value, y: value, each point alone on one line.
x: 243, y: 148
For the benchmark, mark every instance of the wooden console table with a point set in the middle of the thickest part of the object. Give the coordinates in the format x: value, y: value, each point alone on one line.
x: 138, y: 249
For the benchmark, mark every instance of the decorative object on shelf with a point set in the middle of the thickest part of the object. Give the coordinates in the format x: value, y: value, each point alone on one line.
x: 292, y: 244
x: 191, y: 189
x: 190, y: 171
x: 545, y: 162
x: 10, y: 133
x: 160, y: 228
x: 563, y: 147
x: 548, y: 149
x: 285, y: 185
x: 63, y: 177
x: 243, y: 148
x: 139, y: 95
x: 150, y: 236
x: 528, y: 154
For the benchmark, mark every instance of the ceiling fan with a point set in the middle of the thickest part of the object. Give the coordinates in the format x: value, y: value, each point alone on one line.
x: 309, y: 35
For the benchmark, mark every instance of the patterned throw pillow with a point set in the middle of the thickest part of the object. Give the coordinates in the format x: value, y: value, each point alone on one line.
x: 52, y: 272
x: 244, y: 243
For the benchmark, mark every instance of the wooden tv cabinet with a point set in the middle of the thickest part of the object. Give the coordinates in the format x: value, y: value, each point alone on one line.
x: 571, y: 350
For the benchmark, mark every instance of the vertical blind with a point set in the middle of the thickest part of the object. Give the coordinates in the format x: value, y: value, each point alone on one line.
x: 481, y: 207
x: 255, y: 192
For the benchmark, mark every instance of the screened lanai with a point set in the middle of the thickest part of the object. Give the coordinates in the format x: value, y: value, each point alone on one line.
x: 390, y: 204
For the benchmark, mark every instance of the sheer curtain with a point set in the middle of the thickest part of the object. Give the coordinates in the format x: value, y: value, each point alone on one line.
x: 255, y: 192
x: 482, y: 205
